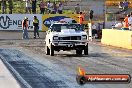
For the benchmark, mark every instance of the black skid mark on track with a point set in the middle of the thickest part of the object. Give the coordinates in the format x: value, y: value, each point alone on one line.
x: 31, y: 71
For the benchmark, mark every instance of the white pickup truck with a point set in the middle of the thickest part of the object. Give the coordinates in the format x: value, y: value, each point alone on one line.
x: 66, y: 36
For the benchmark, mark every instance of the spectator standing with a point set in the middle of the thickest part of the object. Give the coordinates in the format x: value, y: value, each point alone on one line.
x: 125, y: 5
x: 130, y: 21
x: 120, y: 5
x: 94, y: 31
x: 34, y: 6
x: 60, y: 8
x: 77, y: 9
x: 91, y: 15
x: 126, y: 24
x: 54, y: 8
x: 49, y: 7
x: 3, y: 6
x: 81, y: 19
x: 25, y: 28
x: 10, y: 6
x: 28, y: 6
x: 42, y: 7
x: 36, y: 27
x: 99, y: 30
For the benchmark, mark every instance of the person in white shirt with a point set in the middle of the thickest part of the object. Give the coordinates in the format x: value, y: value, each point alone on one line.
x: 60, y: 8
x: 94, y: 31
x: 49, y: 7
x: 28, y: 6
x: 130, y: 21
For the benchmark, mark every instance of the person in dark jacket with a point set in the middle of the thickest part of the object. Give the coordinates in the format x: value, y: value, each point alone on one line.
x: 34, y: 6
x: 36, y: 27
x: 10, y: 2
x: 4, y: 6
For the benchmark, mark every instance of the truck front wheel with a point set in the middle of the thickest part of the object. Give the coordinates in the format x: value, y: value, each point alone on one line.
x: 52, y: 50
x: 78, y: 52
x: 86, y: 50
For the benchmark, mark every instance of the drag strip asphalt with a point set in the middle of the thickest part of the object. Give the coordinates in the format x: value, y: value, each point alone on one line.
x: 33, y: 69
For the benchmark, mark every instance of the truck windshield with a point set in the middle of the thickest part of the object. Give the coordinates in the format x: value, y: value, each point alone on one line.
x: 59, y: 27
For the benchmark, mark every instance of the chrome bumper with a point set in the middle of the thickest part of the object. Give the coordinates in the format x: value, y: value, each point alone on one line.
x: 70, y: 43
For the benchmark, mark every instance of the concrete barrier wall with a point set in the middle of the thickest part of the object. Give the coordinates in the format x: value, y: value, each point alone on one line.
x: 118, y: 38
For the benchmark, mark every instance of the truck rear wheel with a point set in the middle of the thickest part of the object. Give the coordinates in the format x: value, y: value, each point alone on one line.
x: 86, y: 50
x: 51, y: 50
x: 78, y: 52
x: 47, y: 50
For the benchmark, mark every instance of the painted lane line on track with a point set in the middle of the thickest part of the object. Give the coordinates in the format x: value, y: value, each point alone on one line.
x: 15, y: 73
